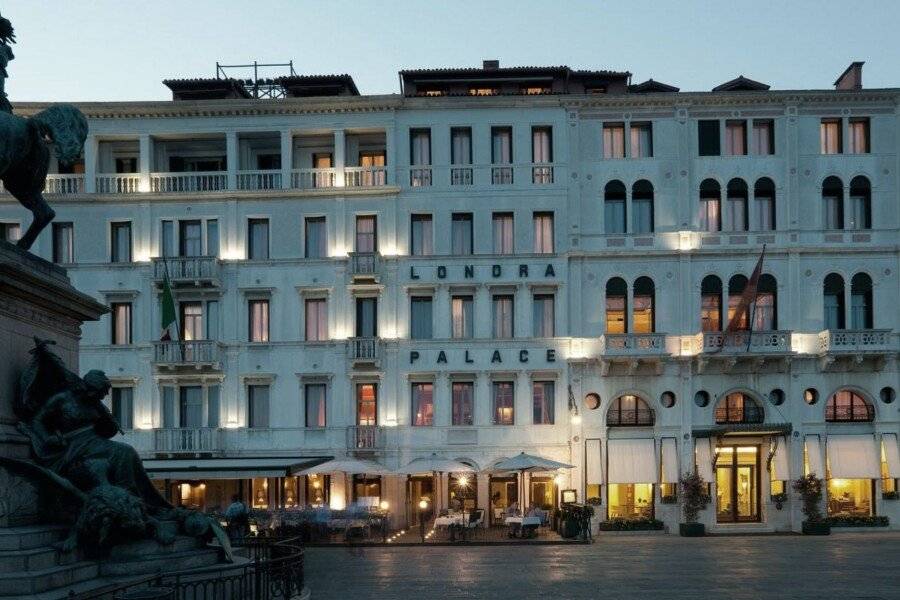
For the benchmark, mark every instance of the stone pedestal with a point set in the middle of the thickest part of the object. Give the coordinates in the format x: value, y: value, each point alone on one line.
x: 36, y: 300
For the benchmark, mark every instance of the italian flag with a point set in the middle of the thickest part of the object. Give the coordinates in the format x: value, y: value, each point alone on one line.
x: 169, y: 329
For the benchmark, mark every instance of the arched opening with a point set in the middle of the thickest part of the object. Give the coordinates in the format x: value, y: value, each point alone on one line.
x: 711, y: 304
x: 860, y: 203
x: 614, y: 207
x: 765, y: 312
x: 630, y: 411
x: 644, y: 317
x: 846, y: 406
x: 710, y: 206
x: 642, y: 206
x: 737, y: 205
x: 833, y: 203
x: 616, y: 305
x: 764, y: 199
x: 736, y: 286
x: 833, y: 296
x: 861, y: 313
x: 738, y: 407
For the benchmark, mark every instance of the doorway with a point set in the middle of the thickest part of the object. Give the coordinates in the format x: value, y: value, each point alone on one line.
x: 737, y: 484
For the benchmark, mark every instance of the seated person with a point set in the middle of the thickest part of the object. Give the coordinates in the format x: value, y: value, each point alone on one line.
x: 512, y: 510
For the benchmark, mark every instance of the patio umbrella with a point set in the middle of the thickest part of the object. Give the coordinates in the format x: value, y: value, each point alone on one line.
x: 527, y: 462
x: 347, y: 466
x: 435, y: 465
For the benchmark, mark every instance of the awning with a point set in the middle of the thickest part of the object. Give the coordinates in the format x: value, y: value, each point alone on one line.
x: 632, y: 461
x: 891, y: 453
x: 229, y: 468
x: 780, y: 463
x: 814, y: 462
x: 704, y: 457
x: 669, y: 461
x: 852, y: 457
x: 744, y: 428
x: 593, y: 461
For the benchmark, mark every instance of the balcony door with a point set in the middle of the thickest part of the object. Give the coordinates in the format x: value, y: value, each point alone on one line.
x: 366, y: 317
x: 190, y: 238
x: 191, y: 327
x: 367, y: 404
x: 737, y: 484
x: 190, y: 407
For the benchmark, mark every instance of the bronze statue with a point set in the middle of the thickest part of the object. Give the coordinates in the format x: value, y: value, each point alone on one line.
x: 103, y: 480
x: 7, y: 38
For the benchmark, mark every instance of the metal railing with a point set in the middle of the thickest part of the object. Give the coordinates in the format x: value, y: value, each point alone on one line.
x: 191, y: 352
x: 364, y: 437
x: 186, y: 268
x: 364, y: 263
x: 634, y: 417
x: 118, y: 184
x: 200, y: 181
x: 747, y: 413
x: 420, y: 176
x: 854, y: 340
x: 260, y: 179
x: 365, y: 176
x: 461, y: 176
x: 363, y: 348
x: 309, y: 179
x: 186, y: 439
x: 64, y: 184
x: 757, y: 341
x: 502, y: 175
x: 542, y: 174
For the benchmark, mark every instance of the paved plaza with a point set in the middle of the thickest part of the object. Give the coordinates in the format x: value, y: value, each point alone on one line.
x: 851, y: 566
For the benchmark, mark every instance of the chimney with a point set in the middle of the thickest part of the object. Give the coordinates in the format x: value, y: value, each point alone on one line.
x: 490, y: 65
x: 851, y: 78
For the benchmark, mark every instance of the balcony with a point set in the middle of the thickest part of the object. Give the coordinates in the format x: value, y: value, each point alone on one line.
x: 856, y: 345
x: 120, y: 183
x: 199, y: 181
x: 310, y: 179
x: 364, y: 266
x: 461, y: 176
x: 193, y: 354
x: 502, y: 175
x: 629, y: 351
x: 758, y: 342
x: 364, y: 350
x: 259, y: 179
x: 365, y: 437
x: 185, y: 439
x: 542, y: 174
x: 64, y: 184
x: 420, y: 176
x: 631, y: 417
x: 365, y: 176
x: 187, y: 270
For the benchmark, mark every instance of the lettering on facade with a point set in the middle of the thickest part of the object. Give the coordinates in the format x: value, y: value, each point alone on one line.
x: 441, y: 272
x: 496, y: 356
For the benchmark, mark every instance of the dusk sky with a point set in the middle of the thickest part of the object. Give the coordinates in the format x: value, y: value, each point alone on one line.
x: 122, y: 50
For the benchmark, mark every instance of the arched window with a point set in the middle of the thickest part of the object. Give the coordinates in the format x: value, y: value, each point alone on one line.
x: 738, y: 408
x: 764, y: 202
x: 833, y: 295
x: 710, y: 206
x: 614, y: 207
x: 846, y: 406
x: 833, y: 202
x: 861, y: 302
x: 711, y: 304
x: 644, y: 318
x: 737, y: 205
x: 616, y: 305
x: 642, y: 206
x: 628, y: 410
x: 860, y: 203
x: 736, y: 286
x: 765, y: 313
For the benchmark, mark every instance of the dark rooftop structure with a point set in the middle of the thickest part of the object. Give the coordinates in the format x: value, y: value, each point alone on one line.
x: 302, y: 86
x: 206, y: 89
x: 650, y: 86
x: 741, y: 84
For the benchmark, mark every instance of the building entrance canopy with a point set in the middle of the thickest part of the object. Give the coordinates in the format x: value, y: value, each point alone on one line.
x: 229, y: 468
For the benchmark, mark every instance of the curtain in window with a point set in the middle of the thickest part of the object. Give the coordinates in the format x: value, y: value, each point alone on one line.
x: 614, y: 215
x: 123, y: 406
x: 121, y: 323
x: 762, y: 138
x: 503, y: 233
x: 643, y: 215
x: 632, y: 461
x: 830, y: 137
x: 259, y: 239
x: 191, y: 406
x: 643, y: 314
x: 121, y: 242
x: 366, y: 317
x: 738, y: 215
x: 315, y: 238
x: 764, y: 315
x: 501, y: 141
x: 833, y: 211
x: 709, y: 215
x: 366, y: 404
x: 420, y: 318
x: 191, y: 243
x: 212, y: 406
x: 365, y: 234
x: 63, y: 243
x: 463, y: 400
x: 259, y: 320
x: 421, y: 148
x: 765, y: 213
x: 735, y: 139
x: 422, y: 238
x: 858, y: 142
x: 461, y: 146
x: 859, y: 311
x: 503, y: 403
x: 192, y: 321
x: 859, y: 216
x: 832, y: 312
x: 542, y: 402
x: 461, y: 235
x: 543, y: 234
x: 315, y: 404
x: 641, y: 140
x: 614, y: 141
x: 259, y: 406
x: 463, y: 324
x: 543, y: 317
x: 503, y: 317
x: 422, y: 404
x: 316, y: 320
x: 853, y: 457
x: 541, y: 150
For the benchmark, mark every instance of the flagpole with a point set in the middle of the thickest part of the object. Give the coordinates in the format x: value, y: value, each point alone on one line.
x: 753, y: 310
x: 168, y: 282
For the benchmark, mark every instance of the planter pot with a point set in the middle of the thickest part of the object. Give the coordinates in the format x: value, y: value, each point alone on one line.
x: 692, y: 529
x: 816, y: 528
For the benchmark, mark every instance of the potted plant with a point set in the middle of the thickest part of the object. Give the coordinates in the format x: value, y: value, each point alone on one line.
x: 810, y: 490
x: 694, y: 498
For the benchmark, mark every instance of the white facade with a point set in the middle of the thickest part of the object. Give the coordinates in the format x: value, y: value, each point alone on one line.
x: 797, y: 351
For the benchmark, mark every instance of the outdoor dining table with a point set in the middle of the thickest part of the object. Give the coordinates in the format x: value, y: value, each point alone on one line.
x: 448, y: 520
x: 517, y: 525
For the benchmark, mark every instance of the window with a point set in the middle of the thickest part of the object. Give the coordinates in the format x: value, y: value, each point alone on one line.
x: 503, y: 407
x: 10, y: 232
x: 542, y: 395
x: 366, y: 317
x: 120, y: 242
x: 833, y: 201
x: 190, y: 406
x: 258, y: 239
x: 483, y: 91
x: 764, y: 202
x: 735, y: 138
x: 616, y: 301
x: 504, y: 233
x: 644, y: 313
x: 366, y: 490
x: 830, y: 136
x: 462, y: 317
x: 420, y: 318
x: 543, y: 316
x: 738, y: 408
x: 121, y: 323
x: 421, y: 235
x: 833, y: 295
x: 613, y: 140
x: 422, y: 404
x: 366, y: 234
x: 366, y: 404
x: 737, y: 205
x: 860, y: 203
x: 765, y: 312
x: 501, y: 154
x: 259, y: 320
x: 641, y: 140
x: 763, y: 137
x: 543, y: 232
x: 167, y: 239
x: 642, y: 207
x: 314, y: 397
x: 126, y: 165
x: 461, y: 234
x: 212, y: 406
x: 711, y: 304
x: 708, y: 143
x: 63, y: 243
x: 191, y: 321
x: 736, y: 286
x: 420, y: 157
x: 629, y: 410
x: 850, y: 497
x: 318, y: 490
x: 541, y: 154
x: 710, y: 206
x: 461, y: 156
x: 258, y: 406
x: 316, y: 314
x: 463, y: 401
x: 614, y: 207
x: 315, y: 237
x: 858, y: 132
x: 848, y: 406
x: 190, y: 238
x: 631, y: 501
x: 503, y: 316
x: 268, y: 161
x: 212, y: 237
x: 123, y: 406
x: 861, y: 313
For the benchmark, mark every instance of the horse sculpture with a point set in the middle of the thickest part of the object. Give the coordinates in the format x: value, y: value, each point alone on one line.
x: 25, y: 155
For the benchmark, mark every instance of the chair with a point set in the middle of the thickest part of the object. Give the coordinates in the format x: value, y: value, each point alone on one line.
x: 476, y: 519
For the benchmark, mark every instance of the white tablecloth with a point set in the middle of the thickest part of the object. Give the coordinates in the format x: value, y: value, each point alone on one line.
x: 523, y: 521
x: 450, y: 520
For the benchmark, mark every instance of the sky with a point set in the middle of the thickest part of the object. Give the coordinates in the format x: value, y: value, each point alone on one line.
x: 80, y: 50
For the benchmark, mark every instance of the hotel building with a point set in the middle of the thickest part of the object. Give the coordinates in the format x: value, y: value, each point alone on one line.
x: 496, y: 260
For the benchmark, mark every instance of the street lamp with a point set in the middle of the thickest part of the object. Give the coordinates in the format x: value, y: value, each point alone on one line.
x: 423, y: 504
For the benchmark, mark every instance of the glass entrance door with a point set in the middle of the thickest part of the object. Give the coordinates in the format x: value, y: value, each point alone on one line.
x: 737, y: 484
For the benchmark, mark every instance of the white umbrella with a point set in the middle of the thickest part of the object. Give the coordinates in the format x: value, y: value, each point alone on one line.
x: 435, y: 464
x: 527, y: 462
x: 348, y: 466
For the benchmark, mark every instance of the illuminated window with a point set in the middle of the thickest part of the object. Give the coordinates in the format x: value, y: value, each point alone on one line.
x: 711, y: 304
x: 738, y: 408
x: 847, y: 406
x: 631, y: 411
x: 463, y: 401
x: 850, y: 497
x: 543, y: 405
x: 710, y: 206
x: 318, y: 488
x: 616, y: 301
x: 643, y: 306
x: 121, y: 323
x: 366, y: 404
x: 260, y: 492
x: 736, y: 286
x: 503, y: 403
x: 630, y: 500
x: 422, y: 404
x: 535, y: 90
x: 483, y: 91
x: 366, y: 490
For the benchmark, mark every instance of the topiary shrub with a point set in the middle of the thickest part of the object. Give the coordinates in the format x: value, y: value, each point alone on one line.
x: 694, y: 496
x: 810, y: 490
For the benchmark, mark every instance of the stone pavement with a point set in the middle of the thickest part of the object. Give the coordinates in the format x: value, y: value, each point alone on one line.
x: 845, y: 566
